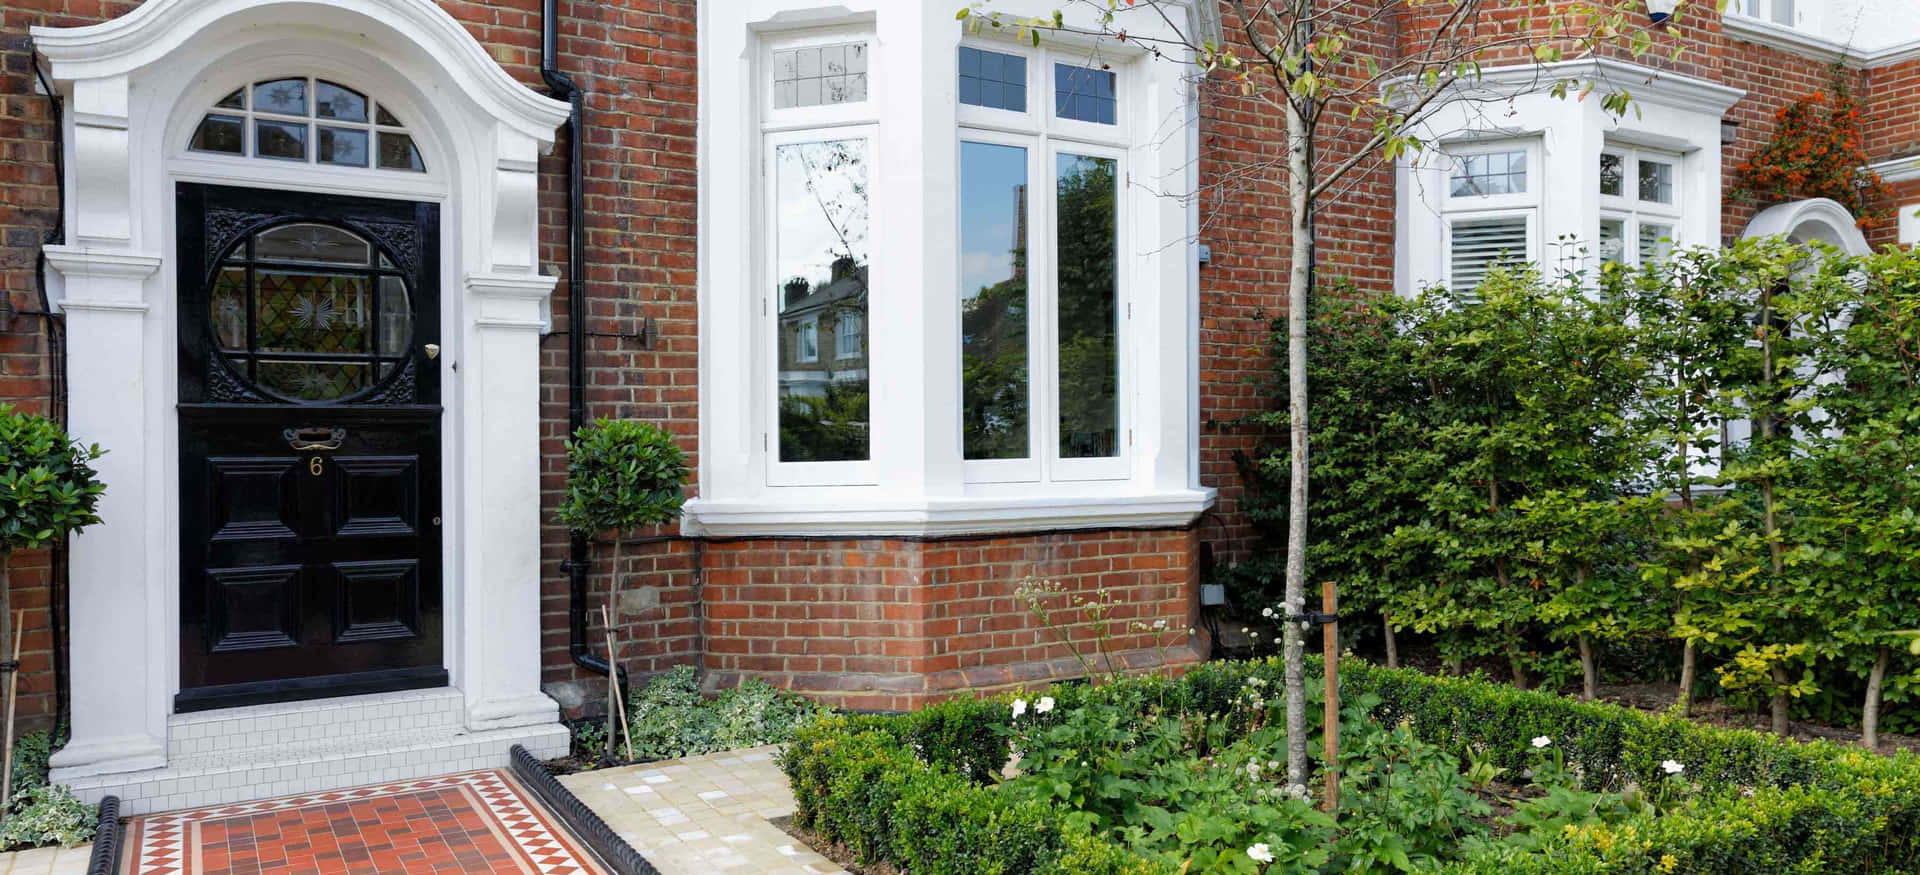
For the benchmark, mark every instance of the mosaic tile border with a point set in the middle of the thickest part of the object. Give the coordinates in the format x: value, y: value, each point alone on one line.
x: 160, y: 842
x: 594, y: 831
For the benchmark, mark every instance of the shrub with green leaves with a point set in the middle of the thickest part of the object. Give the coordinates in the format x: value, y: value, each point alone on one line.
x: 622, y: 474
x: 48, y: 814
x: 1166, y: 785
x: 670, y: 718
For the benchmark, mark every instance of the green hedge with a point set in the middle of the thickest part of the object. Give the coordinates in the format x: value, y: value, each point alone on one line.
x: 915, y: 789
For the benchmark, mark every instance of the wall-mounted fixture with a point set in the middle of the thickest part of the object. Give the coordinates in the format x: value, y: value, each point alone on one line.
x: 1729, y: 131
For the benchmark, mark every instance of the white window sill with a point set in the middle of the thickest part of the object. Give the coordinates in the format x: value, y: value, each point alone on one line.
x: 943, y: 516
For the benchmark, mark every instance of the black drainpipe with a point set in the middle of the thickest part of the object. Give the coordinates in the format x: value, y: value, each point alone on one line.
x: 562, y: 87
x: 54, y: 329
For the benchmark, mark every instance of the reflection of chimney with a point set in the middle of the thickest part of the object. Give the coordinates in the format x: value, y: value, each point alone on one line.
x: 843, y: 267
x: 797, y: 288
x: 1020, y: 231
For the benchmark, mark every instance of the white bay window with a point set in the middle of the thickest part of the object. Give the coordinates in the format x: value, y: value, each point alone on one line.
x: 1489, y: 210
x: 935, y: 296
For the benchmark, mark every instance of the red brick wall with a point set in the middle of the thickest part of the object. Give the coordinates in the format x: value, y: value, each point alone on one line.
x: 892, y: 624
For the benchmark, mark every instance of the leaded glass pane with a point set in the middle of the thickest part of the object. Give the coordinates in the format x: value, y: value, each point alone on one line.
x: 284, y: 96
x: 397, y: 152
x: 312, y: 243
x: 229, y: 309
x: 1490, y: 173
x: 382, y: 116
x: 280, y: 140
x: 306, y: 312
x: 820, y: 75
x: 339, y: 103
x: 220, y: 133
x: 344, y: 146
x: 1087, y: 251
x: 993, y: 301
x: 313, y: 381
x: 993, y: 79
x: 235, y: 99
x: 396, y: 320
x: 1083, y: 94
x: 820, y: 255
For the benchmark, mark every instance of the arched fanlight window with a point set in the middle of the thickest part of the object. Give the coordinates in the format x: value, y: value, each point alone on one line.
x: 308, y: 120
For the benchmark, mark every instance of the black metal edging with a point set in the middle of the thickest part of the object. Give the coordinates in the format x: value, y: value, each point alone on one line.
x: 105, y: 859
x: 585, y: 824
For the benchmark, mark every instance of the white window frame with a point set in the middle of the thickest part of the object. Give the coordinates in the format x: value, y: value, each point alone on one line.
x: 1045, y: 136
x: 1781, y: 12
x: 842, y: 348
x: 916, y: 482
x: 1456, y: 208
x: 779, y: 473
x: 1633, y: 212
x: 809, y: 338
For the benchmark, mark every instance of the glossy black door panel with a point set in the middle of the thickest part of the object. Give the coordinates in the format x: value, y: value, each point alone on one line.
x: 309, y: 446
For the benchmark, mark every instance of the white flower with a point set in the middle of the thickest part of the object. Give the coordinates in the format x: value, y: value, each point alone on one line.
x: 1019, y: 707
x: 1253, y: 769
x: 1160, y: 624
x: 1261, y: 852
x: 1266, y: 612
x: 1273, y: 764
x: 1541, y: 741
x: 1044, y: 705
x: 1297, y: 791
x: 1672, y: 767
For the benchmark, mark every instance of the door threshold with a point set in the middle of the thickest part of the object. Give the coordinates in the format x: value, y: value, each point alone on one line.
x: 307, y: 689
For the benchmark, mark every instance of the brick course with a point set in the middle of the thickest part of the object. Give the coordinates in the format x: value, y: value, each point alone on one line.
x: 884, y: 623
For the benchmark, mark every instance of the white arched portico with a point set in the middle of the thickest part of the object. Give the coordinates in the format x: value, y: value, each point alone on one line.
x: 1815, y: 220
x: 133, y: 88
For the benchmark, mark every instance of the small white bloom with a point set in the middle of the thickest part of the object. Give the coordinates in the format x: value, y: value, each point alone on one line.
x: 1261, y: 852
x: 1044, y: 705
x: 1541, y: 741
x: 1160, y: 624
x: 1297, y: 791
x: 1273, y: 764
x: 1266, y: 612
x: 1672, y: 767
x: 1083, y: 764
x: 1244, y: 630
x: 1019, y: 707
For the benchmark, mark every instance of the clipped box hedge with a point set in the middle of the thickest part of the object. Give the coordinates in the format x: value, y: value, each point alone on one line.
x: 916, y: 790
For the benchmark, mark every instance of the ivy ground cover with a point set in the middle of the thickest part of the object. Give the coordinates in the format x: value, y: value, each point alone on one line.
x: 1153, y: 775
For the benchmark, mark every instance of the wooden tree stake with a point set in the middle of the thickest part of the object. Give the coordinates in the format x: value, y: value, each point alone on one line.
x: 13, y: 689
x: 1330, y: 645
x: 619, y: 701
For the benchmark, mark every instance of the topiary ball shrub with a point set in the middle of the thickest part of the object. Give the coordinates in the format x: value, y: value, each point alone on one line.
x: 622, y: 474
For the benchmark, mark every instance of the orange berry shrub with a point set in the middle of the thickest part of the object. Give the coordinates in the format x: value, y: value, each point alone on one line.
x: 1816, y: 151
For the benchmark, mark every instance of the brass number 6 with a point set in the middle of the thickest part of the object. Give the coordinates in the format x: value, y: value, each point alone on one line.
x: 313, y: 466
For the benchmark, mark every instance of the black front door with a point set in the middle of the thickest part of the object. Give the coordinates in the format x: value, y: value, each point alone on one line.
x: 309, y: 446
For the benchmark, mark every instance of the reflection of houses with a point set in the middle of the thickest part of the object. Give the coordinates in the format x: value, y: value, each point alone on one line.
x: 823, y: 331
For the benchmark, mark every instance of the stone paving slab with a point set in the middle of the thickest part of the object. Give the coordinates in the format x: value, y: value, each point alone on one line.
x: 47, y: 861
x: 703, y: 815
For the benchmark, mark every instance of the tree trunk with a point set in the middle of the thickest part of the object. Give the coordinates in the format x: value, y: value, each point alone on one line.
x: 1687, y: 661
x: 1870, y: 713
x: 1299, y: 277
x: 1589, y: 674
x: 1780, y: 701
x: 1393, y: 646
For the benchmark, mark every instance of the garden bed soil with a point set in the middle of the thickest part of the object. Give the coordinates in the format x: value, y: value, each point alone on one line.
x: 838, y: 853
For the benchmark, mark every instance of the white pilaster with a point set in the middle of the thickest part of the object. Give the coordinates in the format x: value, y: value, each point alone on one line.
x: 119, y: 669
x: 500, y: 389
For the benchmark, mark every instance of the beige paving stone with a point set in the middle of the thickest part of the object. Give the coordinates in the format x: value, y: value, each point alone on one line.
x: 702, y: 814
x: 46, y: 861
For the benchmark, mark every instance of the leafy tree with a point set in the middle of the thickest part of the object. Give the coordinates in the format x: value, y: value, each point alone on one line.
x: 1327, y: 67
x: 48, y: 489
x: 1858, y: 474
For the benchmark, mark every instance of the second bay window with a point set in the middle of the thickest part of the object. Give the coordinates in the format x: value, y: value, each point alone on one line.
x: 923, y: 253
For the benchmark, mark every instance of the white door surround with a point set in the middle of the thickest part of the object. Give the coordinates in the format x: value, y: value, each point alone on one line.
x: 133, y: 88
x: 1818, y: 219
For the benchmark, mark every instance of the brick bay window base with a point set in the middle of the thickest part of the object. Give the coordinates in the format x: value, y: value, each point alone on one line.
x: 893, y: 624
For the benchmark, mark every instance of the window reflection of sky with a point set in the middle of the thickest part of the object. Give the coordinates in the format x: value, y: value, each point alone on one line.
x: 821, y: 198
x: 990, y: 179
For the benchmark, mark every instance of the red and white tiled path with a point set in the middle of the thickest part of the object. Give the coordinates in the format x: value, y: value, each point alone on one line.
x: 703, y: 815
x: 472, y: 822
